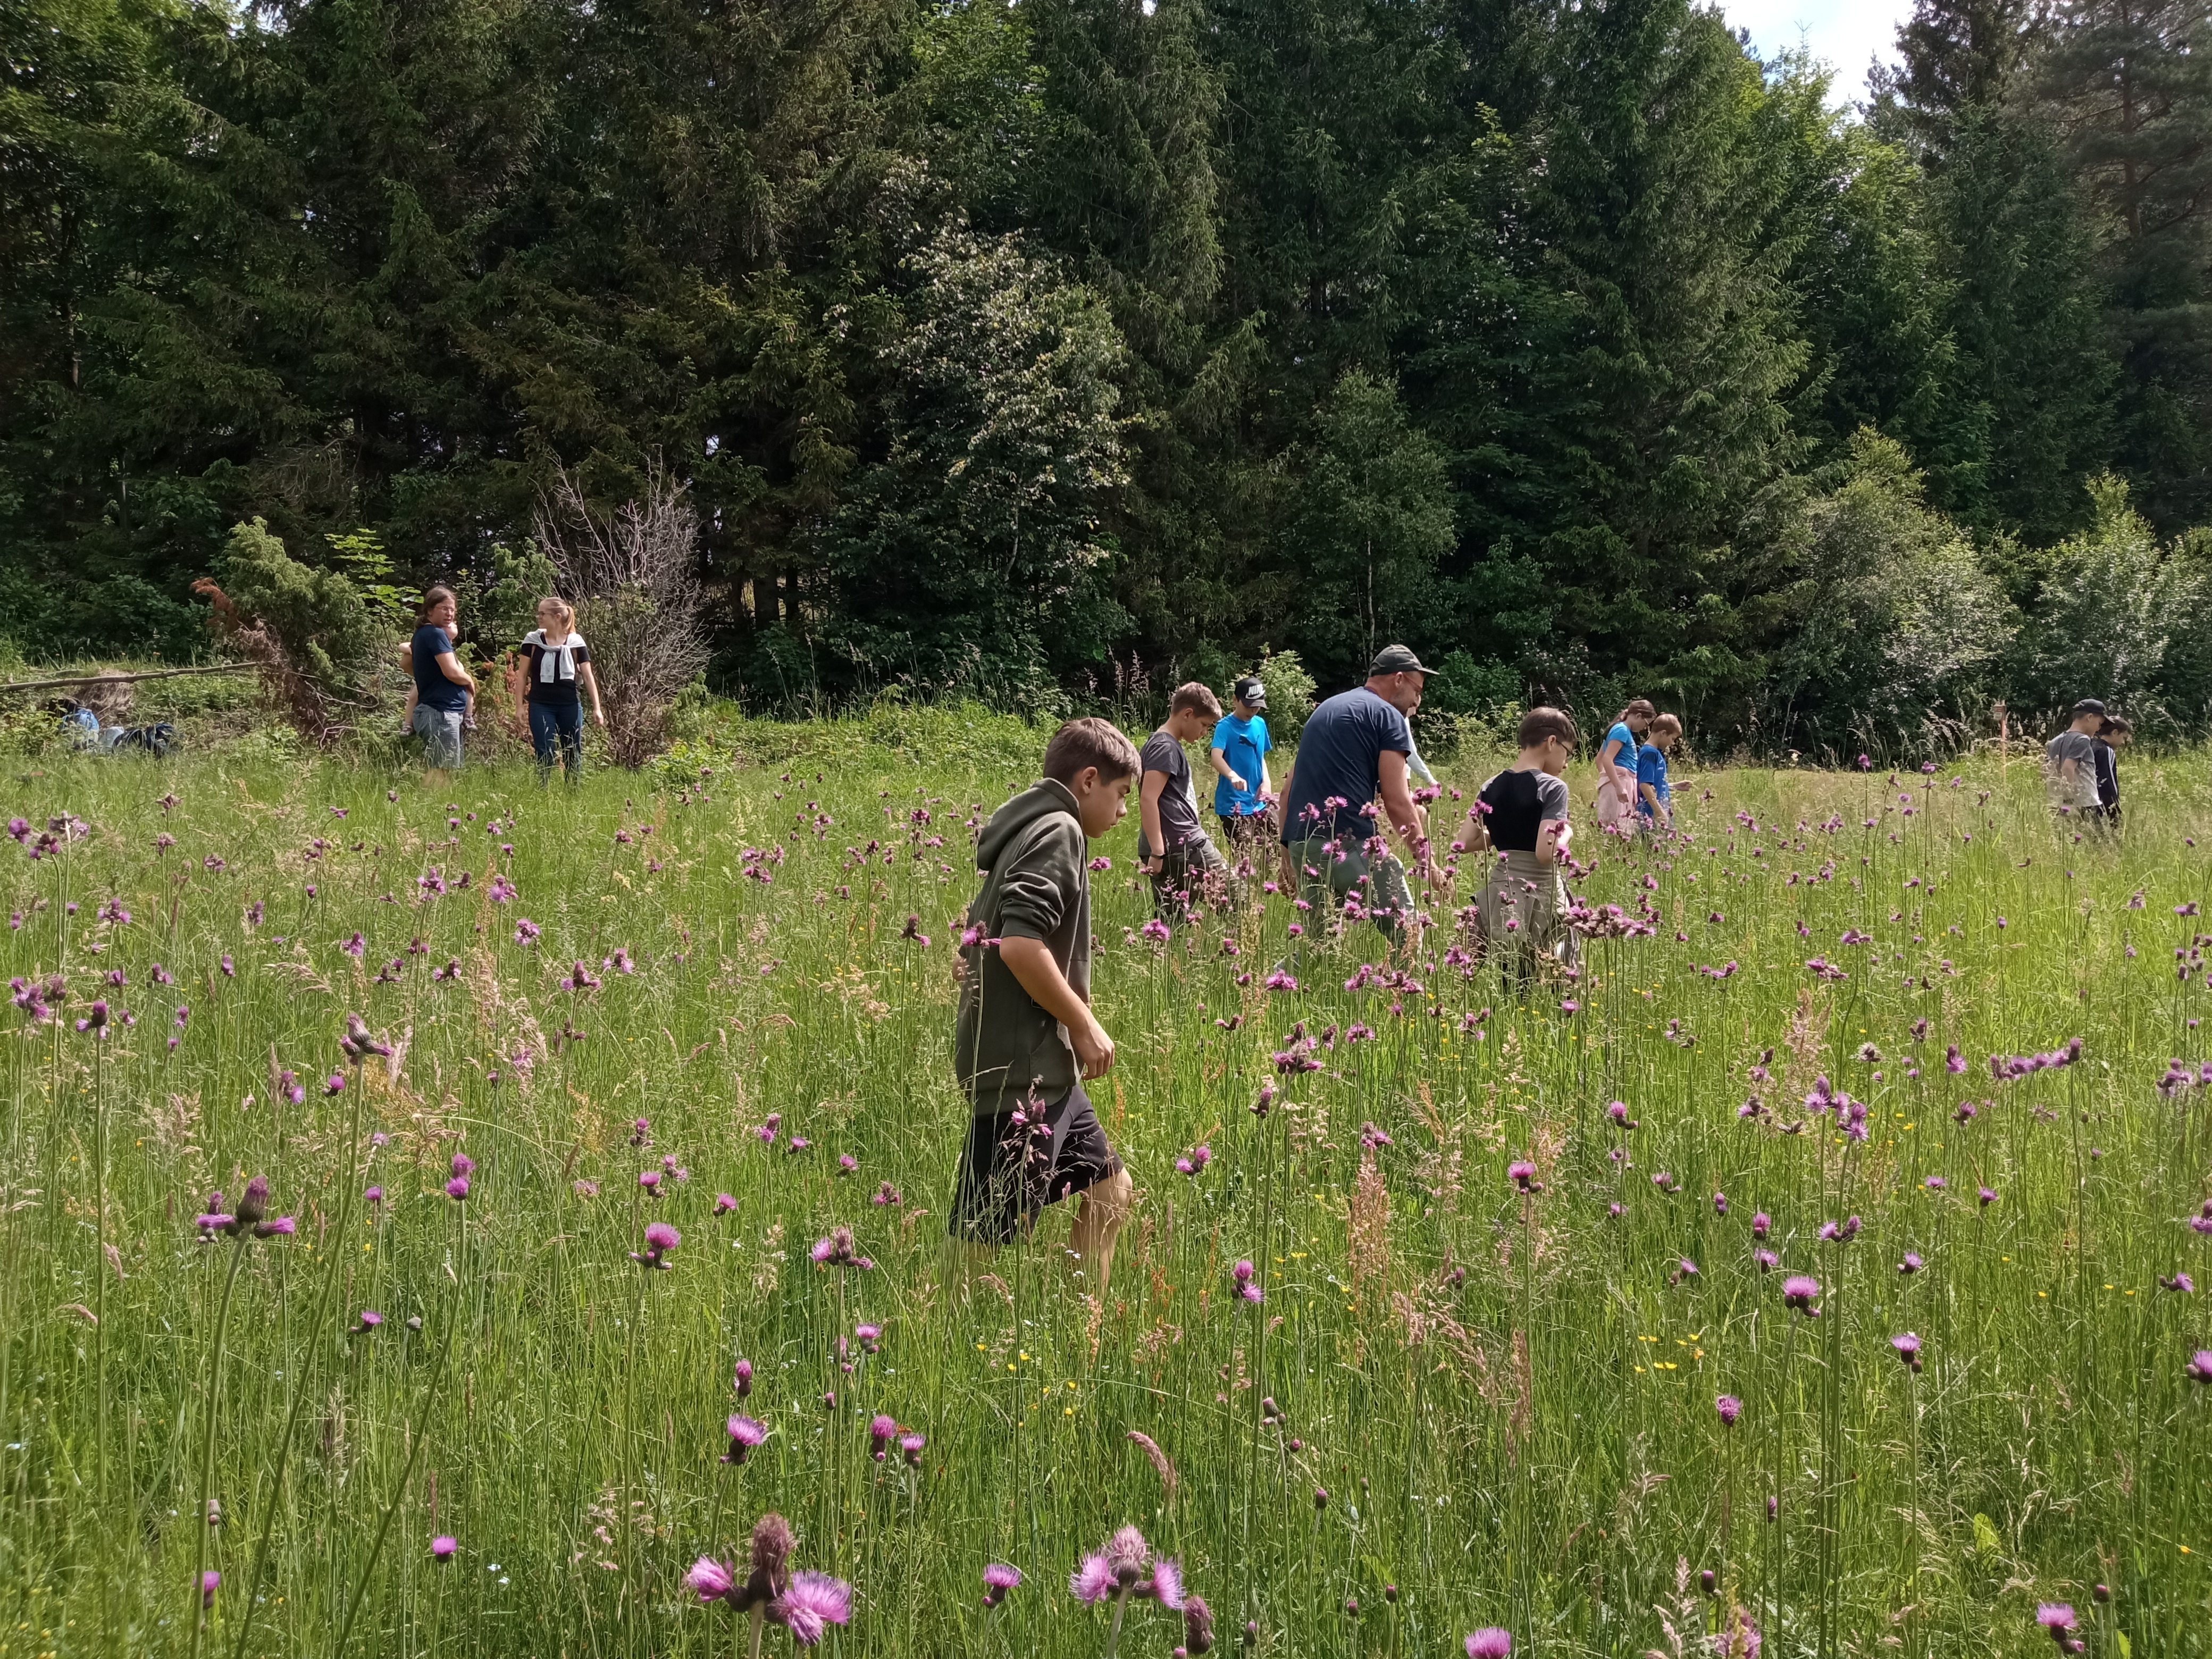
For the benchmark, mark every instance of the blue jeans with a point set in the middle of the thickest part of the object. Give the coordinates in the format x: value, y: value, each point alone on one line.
x: 552, y: 723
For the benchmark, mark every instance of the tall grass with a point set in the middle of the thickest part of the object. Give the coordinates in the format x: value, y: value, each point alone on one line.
x: 1494, y: 1408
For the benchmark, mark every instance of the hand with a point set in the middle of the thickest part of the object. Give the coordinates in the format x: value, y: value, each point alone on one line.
x: 1094, y: 1049
x: 600, y: 715
x: 1237, y: 783
x: 1150, y: 867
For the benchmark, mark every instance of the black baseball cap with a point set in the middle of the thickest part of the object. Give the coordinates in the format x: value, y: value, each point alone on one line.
x: 1397, y: 659
x: 1250, y: 691
x: 2089, y: 706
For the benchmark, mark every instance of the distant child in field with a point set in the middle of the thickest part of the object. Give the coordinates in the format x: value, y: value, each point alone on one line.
x: 1241, y: 787
x: 1616, y: 765
x: 1521, y: 815
x: 556, y: 662
x: 2112, y: 737
x: 1171, y: 843
x: 1025, y: 1037
x: 442, y: 699
x: 1654, y: 803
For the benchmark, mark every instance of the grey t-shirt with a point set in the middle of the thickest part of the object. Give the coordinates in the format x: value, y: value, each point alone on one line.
x: 2081, y: 748
x: 1179, y: 800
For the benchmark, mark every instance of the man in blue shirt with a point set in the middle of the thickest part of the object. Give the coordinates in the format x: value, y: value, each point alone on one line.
x: 1353, y: 750
x: 1242, y: 789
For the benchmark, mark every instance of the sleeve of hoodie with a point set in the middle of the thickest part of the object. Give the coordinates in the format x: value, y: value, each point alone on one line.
x: 1038, y: 887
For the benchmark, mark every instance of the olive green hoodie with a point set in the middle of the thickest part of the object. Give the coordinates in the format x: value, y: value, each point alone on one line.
x: 1035, y: 885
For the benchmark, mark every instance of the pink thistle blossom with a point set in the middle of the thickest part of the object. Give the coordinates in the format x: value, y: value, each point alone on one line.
x: 813, y: 1603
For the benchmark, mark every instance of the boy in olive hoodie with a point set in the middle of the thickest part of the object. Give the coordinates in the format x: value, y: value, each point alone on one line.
x: 1026, y: 1038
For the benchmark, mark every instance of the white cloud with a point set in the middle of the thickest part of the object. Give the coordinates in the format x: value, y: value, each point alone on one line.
x: 1846, y: 34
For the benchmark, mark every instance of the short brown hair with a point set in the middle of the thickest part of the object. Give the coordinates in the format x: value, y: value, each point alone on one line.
x: 1087, y: 742
x: 432, y: 598
x: 1668, y: 723
x: 1542, y: 723
x: 1194, y: 694
x: 2119, y: 723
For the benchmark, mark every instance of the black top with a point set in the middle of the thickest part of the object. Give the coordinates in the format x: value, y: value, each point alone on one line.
x: 552, y: 668
x: 1518, y: 804
x: 2108, y: 774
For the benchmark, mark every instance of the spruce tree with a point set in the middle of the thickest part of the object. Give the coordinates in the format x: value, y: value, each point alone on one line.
x: 2128, y: 88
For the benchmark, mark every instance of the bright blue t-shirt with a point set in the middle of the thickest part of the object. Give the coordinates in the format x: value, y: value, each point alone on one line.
x: 432, y: 689
x: 1651, y: 768
x: 1242, y: 742
x: 1625, y: 758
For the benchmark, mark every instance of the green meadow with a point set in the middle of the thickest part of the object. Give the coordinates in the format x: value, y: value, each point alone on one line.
x: 1458, y: 1404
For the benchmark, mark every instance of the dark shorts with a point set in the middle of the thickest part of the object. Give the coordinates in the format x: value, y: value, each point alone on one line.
x: 1010, y: 1171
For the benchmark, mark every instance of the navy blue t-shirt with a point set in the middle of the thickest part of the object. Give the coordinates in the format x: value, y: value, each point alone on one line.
x: 432, y: 689
x: 1340, y: 754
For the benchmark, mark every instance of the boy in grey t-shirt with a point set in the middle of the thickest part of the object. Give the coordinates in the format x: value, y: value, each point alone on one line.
x: 1171, y: 843
x: 2070, y: 759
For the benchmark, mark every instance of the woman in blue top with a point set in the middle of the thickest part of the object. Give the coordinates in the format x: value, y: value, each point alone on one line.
x: 1616, y: 765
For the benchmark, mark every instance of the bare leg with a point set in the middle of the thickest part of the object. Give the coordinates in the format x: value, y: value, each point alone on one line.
x: 1097, y: 1225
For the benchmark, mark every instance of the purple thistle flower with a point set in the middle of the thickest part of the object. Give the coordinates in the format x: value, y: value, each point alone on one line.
x: 1491, y: 1642
x: 837, y: 1250
x: 746, y: 1433
x: 997, y: 1579
x: 881, y: 1432
x: 1092, y: 1579
x: 1912, y: 1264
x: 208, y: 1580
x: 443, y: 1545
x: 1730, y: 1408
x: 525, y: 931
x: 1761, y: 1223
x: 1936, y: 1183
x: 1988, y: 1196
x: 659, y: 1239
x: 458, y: 1189
x: 2181, y: 1282
x: 1766, y: 1261
x: 2200, y: 1366
x: 910, y: 1445
x: 724, y: 1203
x: 1798, y: 1291
x: 741, y: 1377
x: 708, y: 1579
x: 1908, y: 1348
x: 369, y: 1319
x: 2055, y: 1616
x: 1165, y: 1586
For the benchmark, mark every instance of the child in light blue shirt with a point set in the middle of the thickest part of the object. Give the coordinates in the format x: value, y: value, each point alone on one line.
x: 1655, y: 797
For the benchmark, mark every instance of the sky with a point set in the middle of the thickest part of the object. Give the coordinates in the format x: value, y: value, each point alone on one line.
x: 1845, y: 33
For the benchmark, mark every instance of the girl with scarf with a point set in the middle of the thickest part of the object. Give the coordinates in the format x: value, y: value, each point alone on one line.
x: 556, y: 660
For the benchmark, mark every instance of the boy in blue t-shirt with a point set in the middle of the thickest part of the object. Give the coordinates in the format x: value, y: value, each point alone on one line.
x: 1654, y: 796
x: 1243, y: 790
